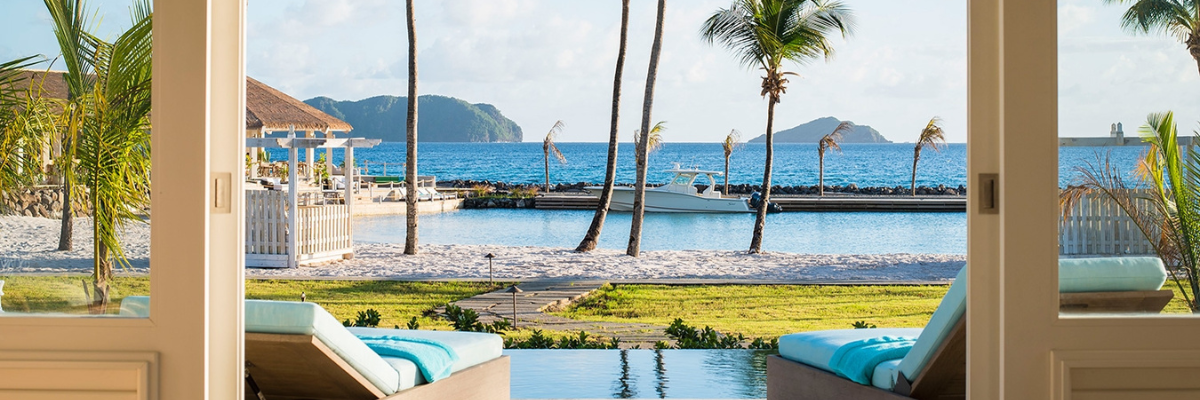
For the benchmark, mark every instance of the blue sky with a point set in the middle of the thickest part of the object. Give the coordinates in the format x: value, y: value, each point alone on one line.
x: 544, y: 60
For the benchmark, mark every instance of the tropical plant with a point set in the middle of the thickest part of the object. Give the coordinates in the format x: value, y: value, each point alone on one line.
x: 1178, y: 18
x: 77, y: 48
x: 610, y: 171
x: 654, y: 140
x: 829, y: 141
x: 548, y: 148
x: 765, y: 33
x: 732, y: 142
x: 934, y: 137
x: 26, y: 118
x: 410, y: 165
x: 1165, y: 205
x: 481, y: 190
x: 107, y: 130
x: 643, y: 140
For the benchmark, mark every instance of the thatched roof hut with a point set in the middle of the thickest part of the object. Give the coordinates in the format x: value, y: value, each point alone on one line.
x: 267, y: 109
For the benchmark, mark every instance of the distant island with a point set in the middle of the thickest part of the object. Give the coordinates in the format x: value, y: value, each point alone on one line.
x: 439, y: 119
x: 812, y: 131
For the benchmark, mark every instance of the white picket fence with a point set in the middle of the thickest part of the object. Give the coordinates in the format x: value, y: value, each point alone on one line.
x: 323, y: 232
x: 1097, y: 226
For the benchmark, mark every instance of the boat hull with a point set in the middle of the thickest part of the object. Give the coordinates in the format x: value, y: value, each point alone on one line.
x: 671, y: 202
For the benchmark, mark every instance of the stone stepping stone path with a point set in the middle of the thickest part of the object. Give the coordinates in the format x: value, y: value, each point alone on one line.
x: 539, y: 298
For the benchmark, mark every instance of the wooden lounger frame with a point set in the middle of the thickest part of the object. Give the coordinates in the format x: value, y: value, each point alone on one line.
x: 945, y: 375
x: 301, y: 367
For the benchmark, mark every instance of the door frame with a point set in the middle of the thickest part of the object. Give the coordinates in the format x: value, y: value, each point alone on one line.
x: 1019, y: 347
x: 191, y: 345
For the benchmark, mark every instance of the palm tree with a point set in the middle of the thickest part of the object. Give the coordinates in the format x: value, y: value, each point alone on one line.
x: 1165, y: 207
x: 642, y: 151
x: 410, y: 167
x: 732, y: 142
x: 654, y: 140
x: 765, y: 33
x: 829, y: 141
x: 549, y: 148
x: 25, y: 120
x: 108, y: 126
x: 932, y: 137
x: 610, y: 173
x: 1178, y: 18
x: 76, y: 47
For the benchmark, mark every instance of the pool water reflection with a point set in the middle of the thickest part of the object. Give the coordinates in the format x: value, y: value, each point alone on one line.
x: 639, y: 374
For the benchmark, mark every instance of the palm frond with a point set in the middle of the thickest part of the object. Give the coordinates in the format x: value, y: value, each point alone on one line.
x: 548, y: 145
x: 933, y: 136
x: 732, y: 142
x: 765, y: 33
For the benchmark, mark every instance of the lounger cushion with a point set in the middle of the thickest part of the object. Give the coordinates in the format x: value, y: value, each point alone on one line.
x: 472, y: 349
x: 885, y: 374
x: 135, y: 306
x: 292, y: 318
x: 816, y: 348
x: 952, y: 308
x: 1110, y: 274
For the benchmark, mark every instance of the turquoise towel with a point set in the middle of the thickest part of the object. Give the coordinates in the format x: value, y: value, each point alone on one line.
x: 857, y: 360
x: 433, y: 358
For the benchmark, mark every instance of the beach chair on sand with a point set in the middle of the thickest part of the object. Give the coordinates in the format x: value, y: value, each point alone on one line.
x: 300, y: 351
x: 876, y: 364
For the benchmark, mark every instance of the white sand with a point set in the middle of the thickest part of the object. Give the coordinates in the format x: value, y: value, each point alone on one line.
x: 27, y: 246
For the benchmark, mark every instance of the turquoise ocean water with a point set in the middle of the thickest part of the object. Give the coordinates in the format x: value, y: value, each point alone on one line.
x: 795, y: 164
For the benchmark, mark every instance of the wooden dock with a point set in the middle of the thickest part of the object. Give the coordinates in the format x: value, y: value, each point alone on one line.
x: 798, y: 203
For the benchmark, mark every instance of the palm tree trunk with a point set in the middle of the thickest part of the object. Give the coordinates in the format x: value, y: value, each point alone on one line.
x: 725, y: 190
x: 410, y: 170
x: 821, y: 173
x: 68, y: 218
x: 760, y: 221
x: 639, y: 191
x: 610, y: 173
x: 547, y: 159
x: 916, y: 156
x: 102, y: 275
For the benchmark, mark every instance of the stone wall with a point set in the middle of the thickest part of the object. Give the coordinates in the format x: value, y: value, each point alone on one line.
x: 41, y: 201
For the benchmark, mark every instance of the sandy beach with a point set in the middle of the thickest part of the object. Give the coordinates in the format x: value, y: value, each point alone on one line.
x: 27, y: 247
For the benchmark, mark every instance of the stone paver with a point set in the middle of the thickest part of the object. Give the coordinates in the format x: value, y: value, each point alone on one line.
x: 538, y: 298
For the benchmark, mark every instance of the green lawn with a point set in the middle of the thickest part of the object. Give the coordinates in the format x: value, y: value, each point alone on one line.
x: 770, y: 311
x: 755, y: 311
x: 396, y: 301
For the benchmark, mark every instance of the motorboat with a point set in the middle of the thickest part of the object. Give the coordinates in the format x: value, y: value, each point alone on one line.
x: 680, y: 195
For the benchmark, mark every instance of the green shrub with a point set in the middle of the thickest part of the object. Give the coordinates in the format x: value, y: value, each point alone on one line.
x: 365, y: 319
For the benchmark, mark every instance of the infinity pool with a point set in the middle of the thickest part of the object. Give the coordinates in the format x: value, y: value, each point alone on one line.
x: 639, y: 374
x: 791, y: 232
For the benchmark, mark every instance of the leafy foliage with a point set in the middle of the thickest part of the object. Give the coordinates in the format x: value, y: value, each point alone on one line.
x: 863, y: 325
x: 654, y: 140
x: 26, y: 118
x: 689, y: 337
x: 1165, y: 205
x: 581, y: 340
x: 413, y: 324
x: 368, y: 318
x: 467, y: 320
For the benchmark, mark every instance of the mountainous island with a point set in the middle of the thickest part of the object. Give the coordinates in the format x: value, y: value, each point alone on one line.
x: 439, y: 119
x: 812, y: 131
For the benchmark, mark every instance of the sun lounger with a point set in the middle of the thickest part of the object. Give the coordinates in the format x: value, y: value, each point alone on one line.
x: 811, y: 365
x: 300, y: 351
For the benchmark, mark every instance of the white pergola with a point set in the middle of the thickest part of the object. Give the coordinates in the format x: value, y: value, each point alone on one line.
x: 293, y: 144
